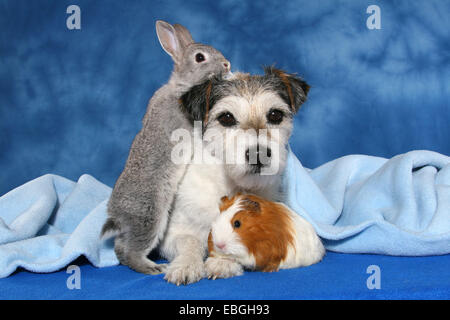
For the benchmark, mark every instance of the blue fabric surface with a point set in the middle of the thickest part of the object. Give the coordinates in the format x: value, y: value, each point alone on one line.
x: 364, y: 204
x: 338, y: 276
x: 50, y: 221
x: 357, y: 204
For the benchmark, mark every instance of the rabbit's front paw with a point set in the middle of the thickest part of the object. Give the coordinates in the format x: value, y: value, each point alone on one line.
x: 222, y: 268
x: 185, y: 272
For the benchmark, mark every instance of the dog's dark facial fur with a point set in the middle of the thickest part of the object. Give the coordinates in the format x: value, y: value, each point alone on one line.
x: 198, y: 101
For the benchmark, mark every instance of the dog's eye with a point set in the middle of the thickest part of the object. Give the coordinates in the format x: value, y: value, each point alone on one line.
x: 227, y: 119
x: 275, y: 116
x: 199, y: 57
x: 237, y: 224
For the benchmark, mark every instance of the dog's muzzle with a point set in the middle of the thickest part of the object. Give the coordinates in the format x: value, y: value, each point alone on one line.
x: 258, y: 157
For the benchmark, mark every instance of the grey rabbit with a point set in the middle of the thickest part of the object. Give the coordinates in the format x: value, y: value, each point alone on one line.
x: 138, y: 210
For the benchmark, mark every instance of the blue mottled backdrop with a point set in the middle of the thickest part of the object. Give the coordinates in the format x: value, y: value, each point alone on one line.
x: 71, y: 101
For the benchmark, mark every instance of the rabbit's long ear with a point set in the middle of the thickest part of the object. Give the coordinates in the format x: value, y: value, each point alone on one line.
x: 183, y: 34
x: 168, y: 39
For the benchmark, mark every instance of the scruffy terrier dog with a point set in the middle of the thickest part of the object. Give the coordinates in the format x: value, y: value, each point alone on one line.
x: 248, y: 121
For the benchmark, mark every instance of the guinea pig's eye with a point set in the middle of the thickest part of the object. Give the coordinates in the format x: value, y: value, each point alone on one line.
x: 227, y: 119
x: 237, y: 224
x: 200, y: 57
x: 275, y: 116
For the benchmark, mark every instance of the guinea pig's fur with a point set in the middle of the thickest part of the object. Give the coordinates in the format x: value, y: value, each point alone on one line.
x: 263, y: 235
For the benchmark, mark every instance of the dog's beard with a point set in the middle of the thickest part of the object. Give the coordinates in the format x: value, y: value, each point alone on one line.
x: 250, y: 176
x: 249, y: 180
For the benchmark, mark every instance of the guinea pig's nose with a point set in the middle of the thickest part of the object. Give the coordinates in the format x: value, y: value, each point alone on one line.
x: 220, y: 245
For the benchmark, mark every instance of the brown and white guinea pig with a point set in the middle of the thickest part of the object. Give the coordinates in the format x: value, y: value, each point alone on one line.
x: 263, y: 235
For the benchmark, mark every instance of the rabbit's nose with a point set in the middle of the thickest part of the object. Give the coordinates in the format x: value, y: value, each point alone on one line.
x: 227, y: 65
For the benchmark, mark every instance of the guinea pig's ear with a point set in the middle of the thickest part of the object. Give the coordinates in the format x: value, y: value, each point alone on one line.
x: 290, y: 87
x: 225, y: 203
x: 198, y: 101
x: 251, y: 205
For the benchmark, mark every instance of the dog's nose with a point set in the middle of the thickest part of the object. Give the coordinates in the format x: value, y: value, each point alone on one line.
x: 258, y: 156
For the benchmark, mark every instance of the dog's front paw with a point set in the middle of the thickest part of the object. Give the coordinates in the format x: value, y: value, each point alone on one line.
x: 222, y: 268
x: 185, y: 272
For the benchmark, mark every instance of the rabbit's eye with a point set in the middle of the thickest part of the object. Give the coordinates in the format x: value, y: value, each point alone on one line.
x: 199, y: 57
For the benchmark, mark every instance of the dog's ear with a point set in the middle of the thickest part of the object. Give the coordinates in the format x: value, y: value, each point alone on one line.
x: 290, y: 87
x: 195, y: 102
x: 198, y: 101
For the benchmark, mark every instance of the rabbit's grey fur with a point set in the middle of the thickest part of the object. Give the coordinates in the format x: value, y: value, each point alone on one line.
x: 144, y: 192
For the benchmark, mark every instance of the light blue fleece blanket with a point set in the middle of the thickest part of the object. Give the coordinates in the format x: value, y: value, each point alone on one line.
x: 50, y: 221
x: 364, y: 204
x: 356, y: 203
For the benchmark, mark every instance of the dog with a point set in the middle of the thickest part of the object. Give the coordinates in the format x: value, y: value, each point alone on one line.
x: 246, y: 123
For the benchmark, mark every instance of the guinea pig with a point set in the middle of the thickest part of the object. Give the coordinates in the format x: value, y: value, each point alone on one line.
x: 261, y: 235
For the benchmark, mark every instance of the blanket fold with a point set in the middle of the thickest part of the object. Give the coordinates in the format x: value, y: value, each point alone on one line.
x: 357, y: 203
x: 364, y: 204
x: 50, y: 221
